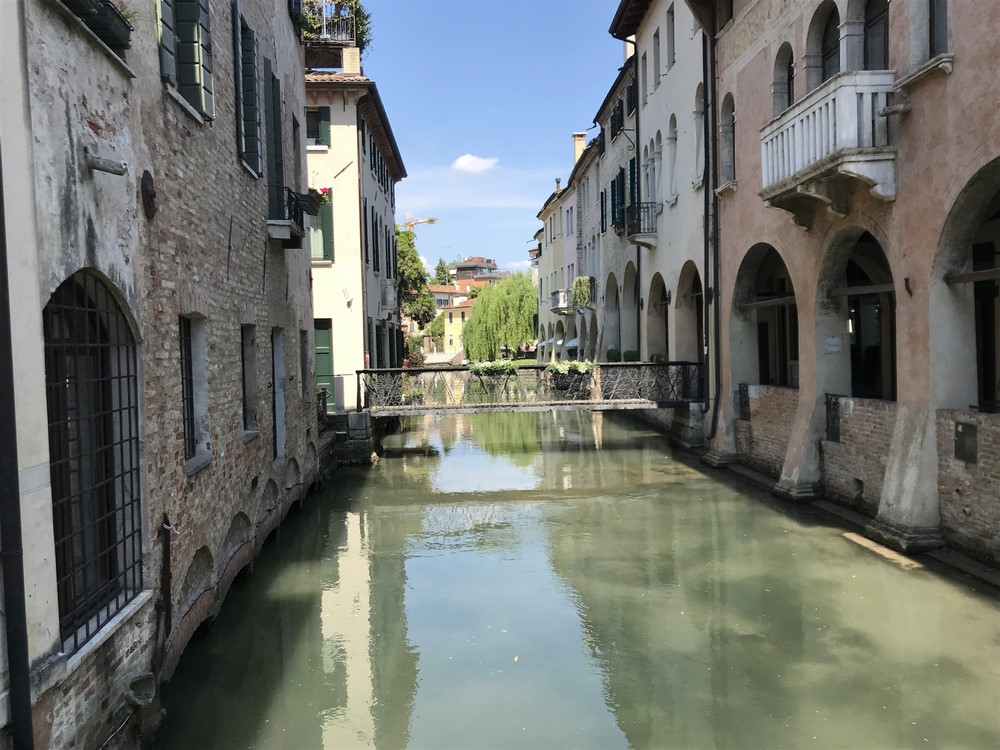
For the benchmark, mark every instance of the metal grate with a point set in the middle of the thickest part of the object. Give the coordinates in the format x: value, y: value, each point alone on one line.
x: 744, y: 401
x: 187, y: 388
x: 93, y: 412
x: 833, y: 417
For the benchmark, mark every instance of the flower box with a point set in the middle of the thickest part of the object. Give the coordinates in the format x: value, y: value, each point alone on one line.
x: 110, y: 26
x: 82, y: 7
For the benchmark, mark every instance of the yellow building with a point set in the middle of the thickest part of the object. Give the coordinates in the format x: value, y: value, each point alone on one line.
x: 456, y: 316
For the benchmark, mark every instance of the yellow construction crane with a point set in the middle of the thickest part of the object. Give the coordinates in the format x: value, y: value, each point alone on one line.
x: 411, y: 222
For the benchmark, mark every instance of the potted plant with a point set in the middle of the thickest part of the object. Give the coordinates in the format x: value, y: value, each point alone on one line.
x: 631, y: 355
x: 111, y: 24
x: 571, y: 375
x: 614, y: 355
x: 82, y: 7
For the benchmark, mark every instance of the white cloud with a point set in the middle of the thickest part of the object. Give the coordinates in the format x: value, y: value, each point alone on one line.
x: 473, y: 164
x: 519, y: 265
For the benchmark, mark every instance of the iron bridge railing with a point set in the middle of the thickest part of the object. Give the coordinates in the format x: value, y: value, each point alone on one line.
x: 610, y: 386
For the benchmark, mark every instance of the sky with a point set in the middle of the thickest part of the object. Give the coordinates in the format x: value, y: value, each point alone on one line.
x: 483, y: 99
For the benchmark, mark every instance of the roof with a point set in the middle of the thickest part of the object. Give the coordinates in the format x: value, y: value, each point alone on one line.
x: 443, y: 289
x: 464, y: 305
x: 627, y: 69
x: 370, y: 106
x: 628, y: 17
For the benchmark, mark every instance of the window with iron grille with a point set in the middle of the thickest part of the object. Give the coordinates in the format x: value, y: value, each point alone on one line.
x: 187, y: 388
x: 92, y: 397
x: 194, y: 386
x: 248, y: 360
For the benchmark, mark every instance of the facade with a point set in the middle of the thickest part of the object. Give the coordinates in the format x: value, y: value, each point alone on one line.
x: 476, y: 268
x: 556, y: 270
x: 165, y: 407
x: 858, y: 195
x: 455, y: 317
x: 353, y: 156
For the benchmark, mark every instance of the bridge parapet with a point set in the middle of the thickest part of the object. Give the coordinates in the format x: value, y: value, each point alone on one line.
x: 610, y: 386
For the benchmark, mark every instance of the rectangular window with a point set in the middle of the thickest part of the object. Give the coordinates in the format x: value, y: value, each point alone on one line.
x: 631, y: 98
x: 938, y: 11
x: 186, y: 52
x: 643, y: 75
x: 318, y: 126
x: 194, y: 386
x: 463, y: 316
x: 604, y: 211
x: 278, y: 426
x: 275, y: 144
x: 304, y: 363
x: 656, y: 59
x: 671, y: 49
x: 248, y: 141
x: 248, y: 361
x: 451, y: 317
x: 618, y: 117
x: 633, y: 183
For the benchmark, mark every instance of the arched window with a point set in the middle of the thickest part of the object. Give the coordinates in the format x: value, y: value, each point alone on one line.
x: 699, y: 135
x: 783, y: 87
x: 657, y: 164
x: 831, y: 45
x: 877, y: 35
x: 727, y: 140
x: 91, y: 385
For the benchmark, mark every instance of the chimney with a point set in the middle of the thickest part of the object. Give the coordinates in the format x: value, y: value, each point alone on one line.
x: 351, y: 61
x: 558, y: 184
x: 579, y: 143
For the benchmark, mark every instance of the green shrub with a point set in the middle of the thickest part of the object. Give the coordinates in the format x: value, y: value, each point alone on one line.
x: 569, y: 365
x: 660, y: 359
x: 630, y: 355
x: 614, y: 355
x: 498, y: 367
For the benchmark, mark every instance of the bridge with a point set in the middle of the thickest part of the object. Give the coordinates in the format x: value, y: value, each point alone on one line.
x: 398, y: 392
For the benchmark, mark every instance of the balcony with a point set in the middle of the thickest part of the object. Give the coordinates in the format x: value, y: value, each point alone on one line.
x: 562, y: 302
x: 388, y: 298
x: 286, y: 216
x: 640, y: 224
x: 324, y: 47
x: 835, y: 134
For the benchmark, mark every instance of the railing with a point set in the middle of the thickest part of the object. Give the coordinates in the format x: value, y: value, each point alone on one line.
x: 744, y: 401
x: 833, y: 417
x: 337, y: 30
x: 843, y: 113
x: 562, y: 302
x: 640, y: 218
x: 532, y: 388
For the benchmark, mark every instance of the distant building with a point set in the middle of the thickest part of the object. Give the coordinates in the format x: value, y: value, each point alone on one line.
x: 456, y: 316
x: 476, y: 269
x: 353, y: 157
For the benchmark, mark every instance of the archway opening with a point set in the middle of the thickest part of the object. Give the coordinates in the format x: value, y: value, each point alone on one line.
x: 612, y: 316
x: 657, y: 318
x: 689, y: 316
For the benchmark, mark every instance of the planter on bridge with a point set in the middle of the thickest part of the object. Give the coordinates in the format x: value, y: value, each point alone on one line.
x: 570, y: 380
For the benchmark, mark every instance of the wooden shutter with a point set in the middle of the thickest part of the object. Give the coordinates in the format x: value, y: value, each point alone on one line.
x: 326, y: 221
x: 251, y: 103
x: 604, y: 211
x: 194, y: 55
x: 614, y: 202
x: 323, y: 330
x: 364, y: 229
x: 238, y: 73
x: 205, y: 49
x: 275, y: 156
x: 633, y: 186
x: 324, y: 126
x: 168, y: 42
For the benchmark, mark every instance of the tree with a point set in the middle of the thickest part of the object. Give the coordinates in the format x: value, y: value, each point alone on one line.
x: 415, y: 298
x: 436, y: 331
x: 503, y: 317
x: 441, y: 275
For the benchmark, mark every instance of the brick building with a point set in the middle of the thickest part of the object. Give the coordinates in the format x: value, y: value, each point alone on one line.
x: 165, y: 405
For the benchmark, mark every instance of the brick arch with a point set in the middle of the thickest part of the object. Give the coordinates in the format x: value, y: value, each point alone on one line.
x: 198, y: 578
x: 240, y: 531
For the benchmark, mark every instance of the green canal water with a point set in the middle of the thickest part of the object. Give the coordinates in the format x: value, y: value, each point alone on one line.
x: 564, y: 581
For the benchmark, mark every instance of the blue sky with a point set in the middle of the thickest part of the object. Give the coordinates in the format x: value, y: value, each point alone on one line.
x: 482, y: 99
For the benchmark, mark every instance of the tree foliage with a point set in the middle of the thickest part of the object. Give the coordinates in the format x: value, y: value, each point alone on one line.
x: 441, y: 275
x: 415, y: 298
x: 503, y: 316
x: 436, y: 331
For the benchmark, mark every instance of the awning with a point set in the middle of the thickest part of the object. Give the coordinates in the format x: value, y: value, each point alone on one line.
x: 546, y: 342
x: 573, y: 344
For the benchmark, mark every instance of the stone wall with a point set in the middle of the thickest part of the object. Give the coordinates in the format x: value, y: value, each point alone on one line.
x: 854, y: 467
x: 969, y: 492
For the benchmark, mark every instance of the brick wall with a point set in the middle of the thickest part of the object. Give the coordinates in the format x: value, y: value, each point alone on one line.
x: 772, y: 413
x: 853, y: 468
x: 969, y: 493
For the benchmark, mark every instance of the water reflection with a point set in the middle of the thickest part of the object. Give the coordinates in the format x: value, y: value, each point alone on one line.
x: 552, y: 580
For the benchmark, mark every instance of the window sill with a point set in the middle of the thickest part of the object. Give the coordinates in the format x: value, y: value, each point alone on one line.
x: 945, y: 63
x: 197, y: 464
x: 112, y: 627
x: 174, y: 94
x: 729, y: 186
x: 671, y: 200
x: 250, y: 435
x: 317, y: 148
x: 322, y: 263
x: 697, y: 182
x: 74, y: 19
x: 253, y: 172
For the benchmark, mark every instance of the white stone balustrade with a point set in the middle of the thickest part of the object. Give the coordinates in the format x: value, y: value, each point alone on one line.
x: 840, y: 116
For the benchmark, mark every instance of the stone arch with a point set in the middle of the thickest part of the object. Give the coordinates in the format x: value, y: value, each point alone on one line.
x: 240, y: 530
x: 612, y: 315
x: 198, y: 579
x: 963, y: 366
x: 783, y: 85
x: 583, y: 352
x: 823, y: 57
x: 861, y: 325
x: 657, y: 319
x: 560, y: 336
x: 630, y: 309
x: 594, y: 338
x: 689, y: 318
x: 269, y: 497
x: 764, y: 323
x: 310, y: 459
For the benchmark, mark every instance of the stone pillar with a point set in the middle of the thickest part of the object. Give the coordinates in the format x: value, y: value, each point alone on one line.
x: 852, y: 45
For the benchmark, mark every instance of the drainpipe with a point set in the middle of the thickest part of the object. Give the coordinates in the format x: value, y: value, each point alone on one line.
x: 708, y: 52
x: 12, y: 555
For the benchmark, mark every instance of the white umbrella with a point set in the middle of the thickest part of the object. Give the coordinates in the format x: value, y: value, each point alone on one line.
x: 573, y: 344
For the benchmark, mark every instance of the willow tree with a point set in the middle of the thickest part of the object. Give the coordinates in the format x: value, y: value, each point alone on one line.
x: 503, y: 317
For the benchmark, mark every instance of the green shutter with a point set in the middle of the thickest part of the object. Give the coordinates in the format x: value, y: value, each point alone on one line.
x: 604, y: 211
x: 194, y: 55
x: 323, y: 330
x: 251, y: 103
x: 324, y: 126
x: 238, y: 72
x: 632, y: 184
x: 207, y: 78
x: 275, y: 157
x: 326, y: 219
x: 168, y: 42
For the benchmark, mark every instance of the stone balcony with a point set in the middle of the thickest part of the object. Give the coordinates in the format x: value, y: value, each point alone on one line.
x: 562, y: 302
x: 834, y: 135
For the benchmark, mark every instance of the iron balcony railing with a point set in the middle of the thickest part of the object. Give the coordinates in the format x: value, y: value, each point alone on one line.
x: 640, y: 219
x: 627, y: 385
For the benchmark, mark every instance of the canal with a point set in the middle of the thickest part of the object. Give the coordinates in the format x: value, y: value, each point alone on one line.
x: 565, y: 581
